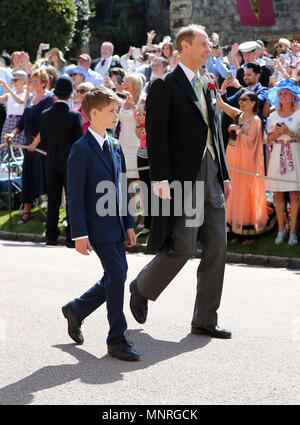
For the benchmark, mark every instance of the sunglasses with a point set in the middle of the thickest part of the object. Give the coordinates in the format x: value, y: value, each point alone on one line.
x: 15, y: 79
x: 243, y: 99
x: 281, y: 45
x: 81, y: 90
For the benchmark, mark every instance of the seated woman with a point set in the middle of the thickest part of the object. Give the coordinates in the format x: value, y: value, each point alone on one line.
x: 247, y: 209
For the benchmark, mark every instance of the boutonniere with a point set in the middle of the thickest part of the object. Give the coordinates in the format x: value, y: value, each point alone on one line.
x: 116, y: 147
x: 211, y: 86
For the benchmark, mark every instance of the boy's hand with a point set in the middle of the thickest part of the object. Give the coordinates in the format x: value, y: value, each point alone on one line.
x: 131, y: 237
x: 83, y: 246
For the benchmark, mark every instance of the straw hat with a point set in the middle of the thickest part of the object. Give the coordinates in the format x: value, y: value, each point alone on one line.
x: 59, y: 52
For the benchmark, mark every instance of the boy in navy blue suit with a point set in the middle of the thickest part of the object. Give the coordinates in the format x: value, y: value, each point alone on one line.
x: 97, y: 160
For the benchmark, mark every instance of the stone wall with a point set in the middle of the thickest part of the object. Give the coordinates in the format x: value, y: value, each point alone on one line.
x: 223, y: 17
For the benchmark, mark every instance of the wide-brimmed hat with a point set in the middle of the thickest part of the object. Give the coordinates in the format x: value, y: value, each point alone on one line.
x: 63, y: 87
x: 74, y: 69
x: 272, y: 94
x: 59, y: 52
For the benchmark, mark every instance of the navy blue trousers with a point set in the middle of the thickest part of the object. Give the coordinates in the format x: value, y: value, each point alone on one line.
x: 109, y: 289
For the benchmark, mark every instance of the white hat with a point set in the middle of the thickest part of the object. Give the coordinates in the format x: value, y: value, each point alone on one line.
x: 248, y: 46
x: 284, y: 41
x: 19, y: 73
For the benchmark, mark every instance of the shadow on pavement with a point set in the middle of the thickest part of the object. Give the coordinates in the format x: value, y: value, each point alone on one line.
x: 97, y: 371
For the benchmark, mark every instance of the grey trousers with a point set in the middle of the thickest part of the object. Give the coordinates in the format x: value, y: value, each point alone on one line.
x: 157, y: 275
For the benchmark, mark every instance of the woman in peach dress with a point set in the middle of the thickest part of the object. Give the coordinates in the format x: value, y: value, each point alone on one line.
x: 247, y: 210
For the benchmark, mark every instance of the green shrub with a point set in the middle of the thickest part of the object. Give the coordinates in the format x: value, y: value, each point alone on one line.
x: 26, y: 23
x: 85, y: 11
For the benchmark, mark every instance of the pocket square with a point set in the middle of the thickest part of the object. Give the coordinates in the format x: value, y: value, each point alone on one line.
x: 213, y: 101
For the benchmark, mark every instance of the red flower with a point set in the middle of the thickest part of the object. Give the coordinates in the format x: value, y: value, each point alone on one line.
x: 211, y: 86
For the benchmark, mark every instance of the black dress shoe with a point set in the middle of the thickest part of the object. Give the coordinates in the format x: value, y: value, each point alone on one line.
x: 138, y: 303
x: 70, y: 244
x: 123, y: 351
x: 213, y: 331
x: 73, y: 324
x: 54, y: 243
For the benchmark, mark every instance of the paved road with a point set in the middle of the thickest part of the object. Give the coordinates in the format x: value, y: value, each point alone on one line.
x: 41, y: 365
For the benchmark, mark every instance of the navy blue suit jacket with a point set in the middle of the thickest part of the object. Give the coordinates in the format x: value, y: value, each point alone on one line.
x: 259, y: 91
x: 87, y: 169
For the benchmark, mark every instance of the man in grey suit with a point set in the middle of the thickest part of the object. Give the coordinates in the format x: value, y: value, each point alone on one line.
x: 185, y: 145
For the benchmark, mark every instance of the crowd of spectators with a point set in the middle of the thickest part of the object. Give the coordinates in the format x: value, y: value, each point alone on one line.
x: 258, y: 94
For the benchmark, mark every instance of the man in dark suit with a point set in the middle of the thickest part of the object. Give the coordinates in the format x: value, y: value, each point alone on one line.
x: 251, y: 80
x: 185, y: 145
x: 100, y: 219
x: 60, y: 128
x: 250, y: 54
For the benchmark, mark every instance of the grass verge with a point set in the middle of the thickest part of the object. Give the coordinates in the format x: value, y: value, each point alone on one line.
x: 262, y: 245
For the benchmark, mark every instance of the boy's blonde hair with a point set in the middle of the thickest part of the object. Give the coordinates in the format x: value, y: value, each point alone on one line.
x: 98, y: 98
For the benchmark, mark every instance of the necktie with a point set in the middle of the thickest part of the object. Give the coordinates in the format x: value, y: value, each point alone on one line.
x: 103, y: 62
x: 198, y: 88
x: 107, y: 154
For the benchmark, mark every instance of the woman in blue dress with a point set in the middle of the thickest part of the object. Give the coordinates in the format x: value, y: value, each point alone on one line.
x: 33, y: 175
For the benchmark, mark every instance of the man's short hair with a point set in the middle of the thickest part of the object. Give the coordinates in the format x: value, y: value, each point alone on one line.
x: 187, y: 34
x: 161, y: 59
x: 256, y: 68
x: 108, y: 43
x: 98, y: 98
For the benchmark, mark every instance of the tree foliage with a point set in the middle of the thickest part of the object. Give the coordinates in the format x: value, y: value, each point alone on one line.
x: 26, y: 23
x: 85, y: 11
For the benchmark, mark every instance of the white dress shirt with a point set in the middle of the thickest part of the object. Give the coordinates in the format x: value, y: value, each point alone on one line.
x: 103, y: 70
x: 99, y: 138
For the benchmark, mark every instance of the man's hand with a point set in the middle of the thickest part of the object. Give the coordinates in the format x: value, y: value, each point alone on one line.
x: 234, y: 49
x: 83, y: 246
x: 162, y: 190
x: 227, y: 190
x: 131, y: 237
x: 234, y: 83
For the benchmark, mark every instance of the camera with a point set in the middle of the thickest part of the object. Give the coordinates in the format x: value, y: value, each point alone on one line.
x: 229, y: 76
